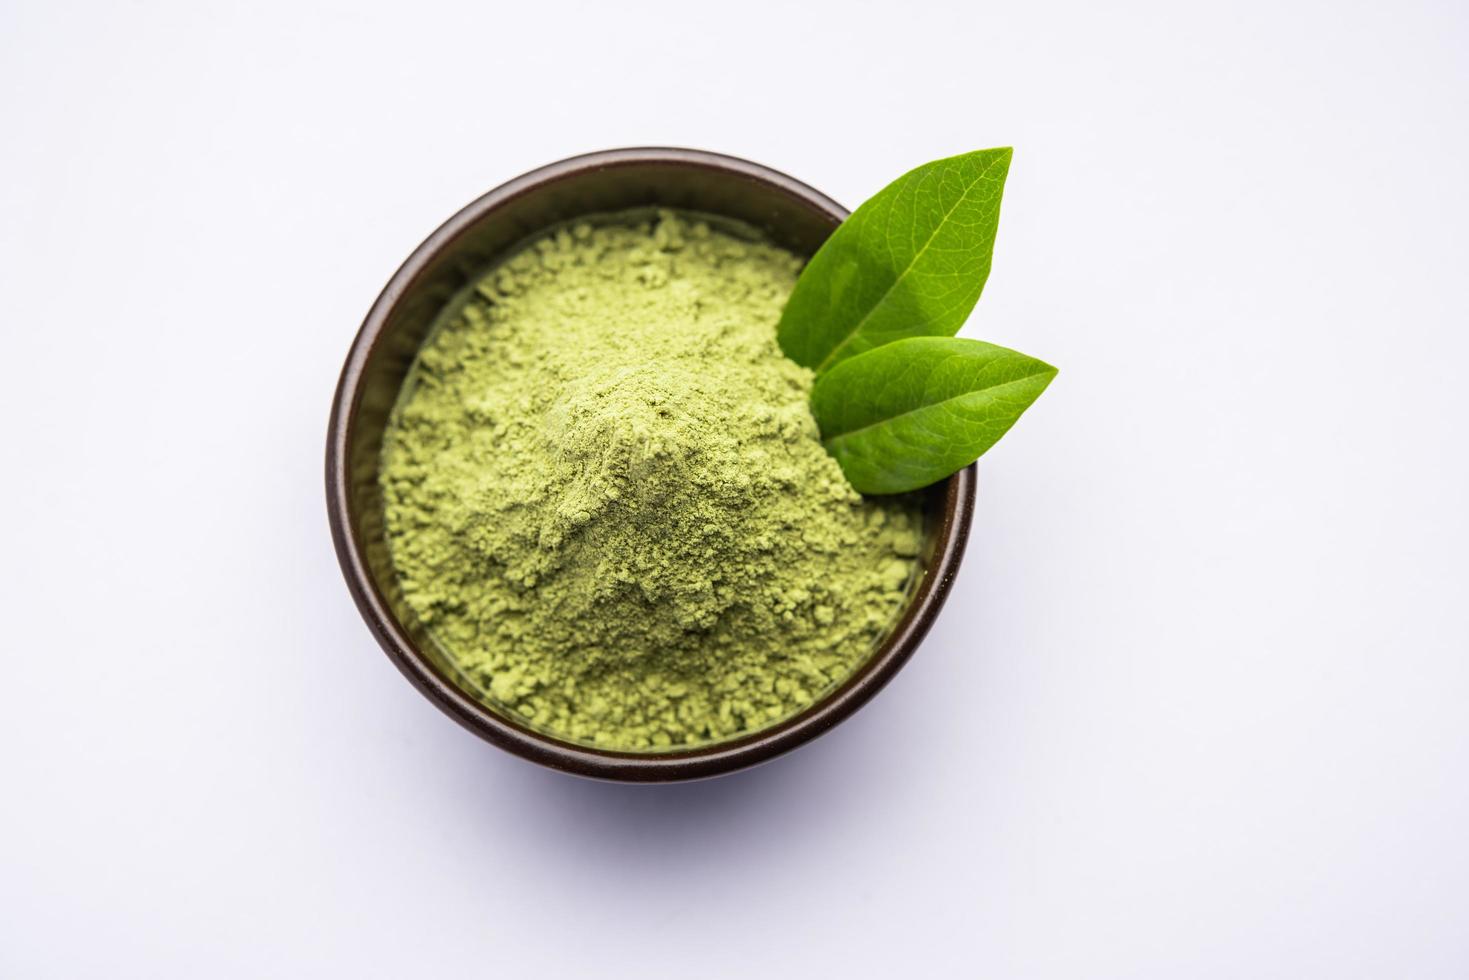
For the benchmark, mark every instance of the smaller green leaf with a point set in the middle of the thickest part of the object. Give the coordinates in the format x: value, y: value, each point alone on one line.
x: 912, y: 412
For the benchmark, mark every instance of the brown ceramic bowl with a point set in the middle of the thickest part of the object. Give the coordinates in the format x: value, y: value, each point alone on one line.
x: 792, y: 215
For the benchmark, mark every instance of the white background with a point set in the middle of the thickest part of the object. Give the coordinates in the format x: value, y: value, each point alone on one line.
x: 1197, y: 708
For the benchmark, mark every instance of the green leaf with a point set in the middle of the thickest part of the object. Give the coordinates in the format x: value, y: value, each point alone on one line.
x: 909, y: 262
x: 912, y: 412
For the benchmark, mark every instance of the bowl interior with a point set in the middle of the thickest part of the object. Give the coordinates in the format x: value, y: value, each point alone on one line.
x: 789, y: 214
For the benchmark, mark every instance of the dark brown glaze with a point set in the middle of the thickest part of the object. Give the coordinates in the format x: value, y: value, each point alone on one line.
x: 792, y: 215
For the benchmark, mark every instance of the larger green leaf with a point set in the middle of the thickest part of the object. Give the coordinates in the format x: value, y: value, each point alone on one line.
x: 910, y: 413
x: 909, y: 262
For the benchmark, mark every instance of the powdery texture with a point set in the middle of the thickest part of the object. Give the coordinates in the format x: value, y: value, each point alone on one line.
x: 607, y: 499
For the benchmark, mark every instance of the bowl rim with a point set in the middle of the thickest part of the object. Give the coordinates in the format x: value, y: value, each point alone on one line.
x: 715, y: 759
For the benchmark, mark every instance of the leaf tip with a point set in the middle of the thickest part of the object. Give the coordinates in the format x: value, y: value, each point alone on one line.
x: 1047, y: 374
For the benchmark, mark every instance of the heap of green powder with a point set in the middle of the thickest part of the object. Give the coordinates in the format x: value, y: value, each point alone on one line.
x: 607, y: 500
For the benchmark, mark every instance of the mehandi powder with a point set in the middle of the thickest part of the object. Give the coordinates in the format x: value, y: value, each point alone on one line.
x: 608, y: 503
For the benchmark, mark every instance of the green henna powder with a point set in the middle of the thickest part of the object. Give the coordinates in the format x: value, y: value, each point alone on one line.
x: 607, y: 501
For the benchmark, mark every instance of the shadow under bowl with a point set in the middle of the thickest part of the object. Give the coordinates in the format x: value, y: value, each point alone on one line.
x: 788, y: 213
